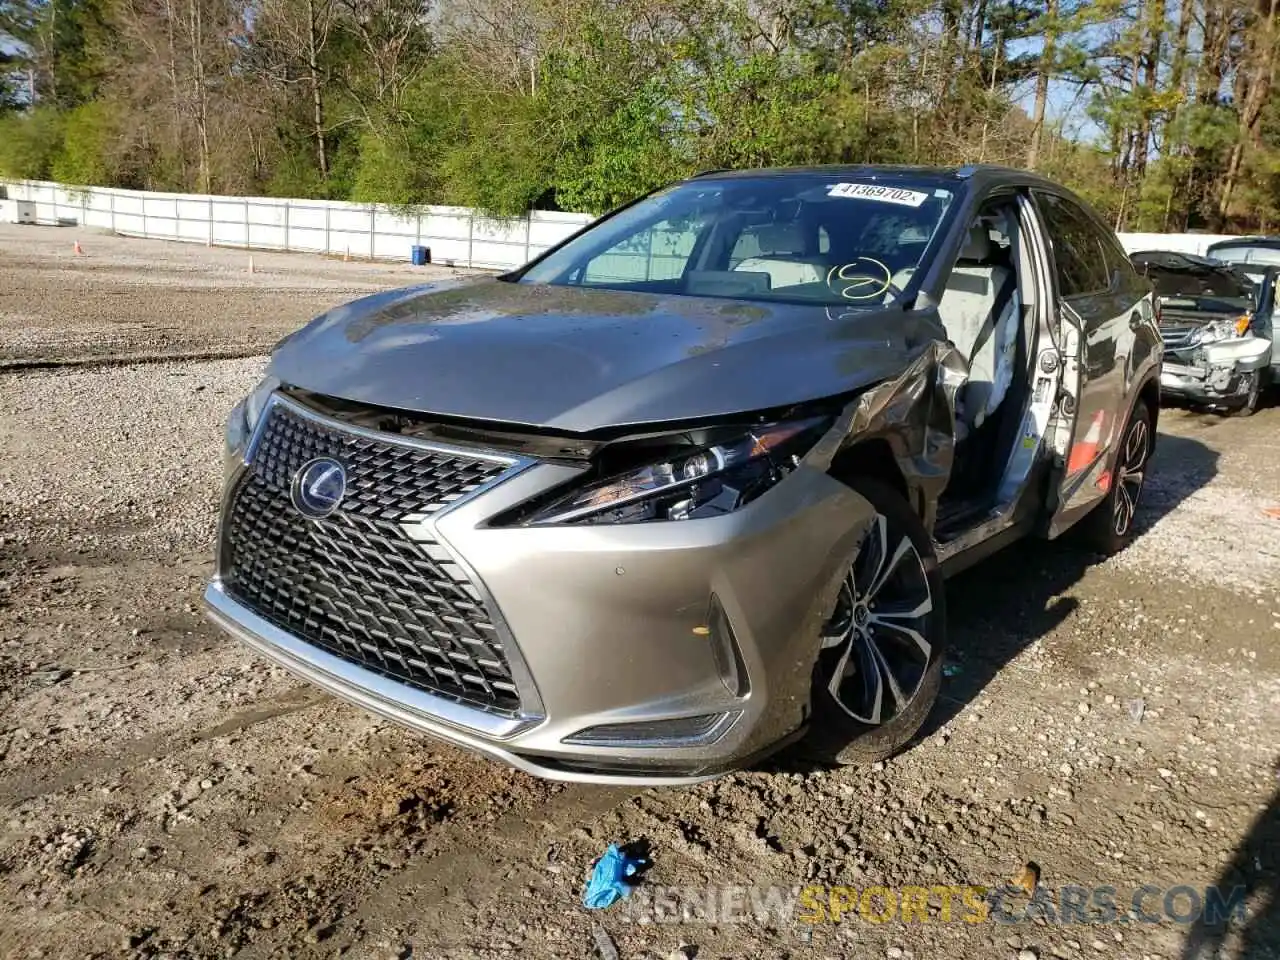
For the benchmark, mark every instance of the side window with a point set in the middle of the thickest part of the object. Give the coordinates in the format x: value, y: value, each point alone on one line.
x: 1079, y: 252
x: 1123, y: 273
x: 659, y: 253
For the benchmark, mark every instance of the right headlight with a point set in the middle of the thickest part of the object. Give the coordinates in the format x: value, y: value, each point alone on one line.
x: 703, y: 482
x: 1216, y: 330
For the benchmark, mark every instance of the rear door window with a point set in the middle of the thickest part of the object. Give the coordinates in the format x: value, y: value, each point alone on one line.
x: 1079, y: 247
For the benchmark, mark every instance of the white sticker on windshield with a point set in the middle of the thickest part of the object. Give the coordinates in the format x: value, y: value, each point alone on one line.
x: 876, y: 191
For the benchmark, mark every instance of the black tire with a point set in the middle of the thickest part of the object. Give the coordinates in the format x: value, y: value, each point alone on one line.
x: 1108, y: 528
x: 843, y: 733
x: 1250, y: 405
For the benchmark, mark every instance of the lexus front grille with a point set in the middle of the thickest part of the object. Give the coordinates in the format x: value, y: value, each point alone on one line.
x: 353, y: 583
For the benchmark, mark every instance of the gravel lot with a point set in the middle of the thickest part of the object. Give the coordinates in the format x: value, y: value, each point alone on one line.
x: 165, y: 794
x: 122, y: 297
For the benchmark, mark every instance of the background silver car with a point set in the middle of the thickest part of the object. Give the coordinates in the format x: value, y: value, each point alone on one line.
x: 1215, y: 319
x: 684, y: 489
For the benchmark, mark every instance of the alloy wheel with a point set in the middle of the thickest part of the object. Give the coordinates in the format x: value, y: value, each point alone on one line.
x: 1130, y: 473
x: 875, y: 651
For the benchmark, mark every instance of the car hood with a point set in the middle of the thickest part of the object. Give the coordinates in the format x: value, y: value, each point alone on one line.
x: 577, y: 360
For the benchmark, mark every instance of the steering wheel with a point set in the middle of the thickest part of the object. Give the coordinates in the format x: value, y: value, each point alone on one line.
x: 856, y: 282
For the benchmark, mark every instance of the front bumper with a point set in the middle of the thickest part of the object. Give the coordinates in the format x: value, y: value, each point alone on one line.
x: 611, y: 628
x: 1216, y: 372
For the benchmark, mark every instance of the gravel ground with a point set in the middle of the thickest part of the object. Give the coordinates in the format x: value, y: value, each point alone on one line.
x: 165, y: 794
x: 122, y: 297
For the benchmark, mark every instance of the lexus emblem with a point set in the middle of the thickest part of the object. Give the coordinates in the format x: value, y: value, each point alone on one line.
x: 318, y: 487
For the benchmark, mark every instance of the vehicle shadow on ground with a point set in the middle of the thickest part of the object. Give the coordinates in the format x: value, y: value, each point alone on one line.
x: 1001, y: 606
x: 1256, y: 868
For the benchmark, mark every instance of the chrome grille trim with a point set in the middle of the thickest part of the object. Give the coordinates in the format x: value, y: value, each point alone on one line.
x: 356, y: 584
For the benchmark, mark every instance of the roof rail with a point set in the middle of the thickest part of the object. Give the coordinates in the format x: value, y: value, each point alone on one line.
x: 707, y: 173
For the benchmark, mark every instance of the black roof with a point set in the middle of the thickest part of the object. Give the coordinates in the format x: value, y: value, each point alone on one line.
x: 1175, y: 259
x: 984, y: 173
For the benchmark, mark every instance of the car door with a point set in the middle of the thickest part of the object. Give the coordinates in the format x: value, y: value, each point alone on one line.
x: 1264, y: 322
x: 1099, y: 301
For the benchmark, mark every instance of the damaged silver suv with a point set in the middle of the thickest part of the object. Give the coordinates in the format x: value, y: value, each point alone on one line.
x: 1215, y: 319
x: 684, y: 489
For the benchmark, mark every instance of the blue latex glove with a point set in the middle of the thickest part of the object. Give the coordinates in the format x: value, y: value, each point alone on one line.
x: 608, y: 882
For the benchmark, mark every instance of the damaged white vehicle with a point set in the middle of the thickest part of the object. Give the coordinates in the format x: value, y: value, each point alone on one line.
x: 1216, y: 352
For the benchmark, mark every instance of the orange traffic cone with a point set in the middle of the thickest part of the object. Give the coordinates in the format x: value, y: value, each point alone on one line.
x: 1085, y: 450
x: 79, y: 251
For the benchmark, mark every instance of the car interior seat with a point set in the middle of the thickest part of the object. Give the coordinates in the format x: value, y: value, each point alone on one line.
x: 980, y: 312
x: 782, y: 255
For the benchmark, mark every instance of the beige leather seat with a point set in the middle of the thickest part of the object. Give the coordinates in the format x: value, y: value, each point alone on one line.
x: 781, y: 256
x: 980, y: 310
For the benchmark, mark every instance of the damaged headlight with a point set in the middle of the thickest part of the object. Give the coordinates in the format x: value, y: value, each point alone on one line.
x: 1216, y: 330
x: 245, y: 415
x: 706, y: 482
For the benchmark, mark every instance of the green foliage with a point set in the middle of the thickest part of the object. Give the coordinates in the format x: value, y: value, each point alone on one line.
x: 384, y: 171
x: 759, y: 111
x: 295, y: 174
x: 501, y: 160
x: 584, y: 104
x: 89, y: 133
x: 29, y: 143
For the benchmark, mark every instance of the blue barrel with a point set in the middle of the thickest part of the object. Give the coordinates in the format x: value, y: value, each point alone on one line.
x: 421, y: 256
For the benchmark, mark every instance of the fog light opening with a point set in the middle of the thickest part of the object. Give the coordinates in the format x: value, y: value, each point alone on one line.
x: 678, y: 731
x: 725, y: 651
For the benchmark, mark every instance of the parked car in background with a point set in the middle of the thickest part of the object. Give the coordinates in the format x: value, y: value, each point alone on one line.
x: 1217, y: 344
x: 1259, y: 259
x: 684, y: 488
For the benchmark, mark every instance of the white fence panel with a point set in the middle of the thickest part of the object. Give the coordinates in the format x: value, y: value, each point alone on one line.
x: 455, y: 235
x: 131, y: 224
x: 193, y: 231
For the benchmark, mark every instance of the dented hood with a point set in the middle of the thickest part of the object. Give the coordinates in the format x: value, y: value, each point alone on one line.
x: 576, y: 360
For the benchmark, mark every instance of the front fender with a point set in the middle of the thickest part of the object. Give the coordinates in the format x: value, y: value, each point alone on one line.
x: 1247, y: 353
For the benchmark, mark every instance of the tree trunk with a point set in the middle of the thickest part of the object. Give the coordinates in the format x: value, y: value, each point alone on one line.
x: 1042, y: 83
x: 1178, y: 69
x: 317, y: 100
x: 201, y: 101
x: 1256, y: 81
x: 171, y: 20
x: 1156, y: 27
x: 979, y: 27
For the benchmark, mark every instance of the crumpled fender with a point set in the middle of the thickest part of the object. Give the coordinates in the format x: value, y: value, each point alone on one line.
x: 915, y: 413
x: 1247, y: 353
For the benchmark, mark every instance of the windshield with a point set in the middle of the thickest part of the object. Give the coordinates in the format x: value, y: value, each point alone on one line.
x: 803, y: 238
x: 1241, y: 253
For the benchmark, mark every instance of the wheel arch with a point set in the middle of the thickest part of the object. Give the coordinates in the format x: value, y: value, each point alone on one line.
x: 877, y: 459
x: 1149, y: 393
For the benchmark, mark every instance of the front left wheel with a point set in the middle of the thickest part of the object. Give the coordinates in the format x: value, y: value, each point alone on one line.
x: 1249, y: 406
x: 879, y: 663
